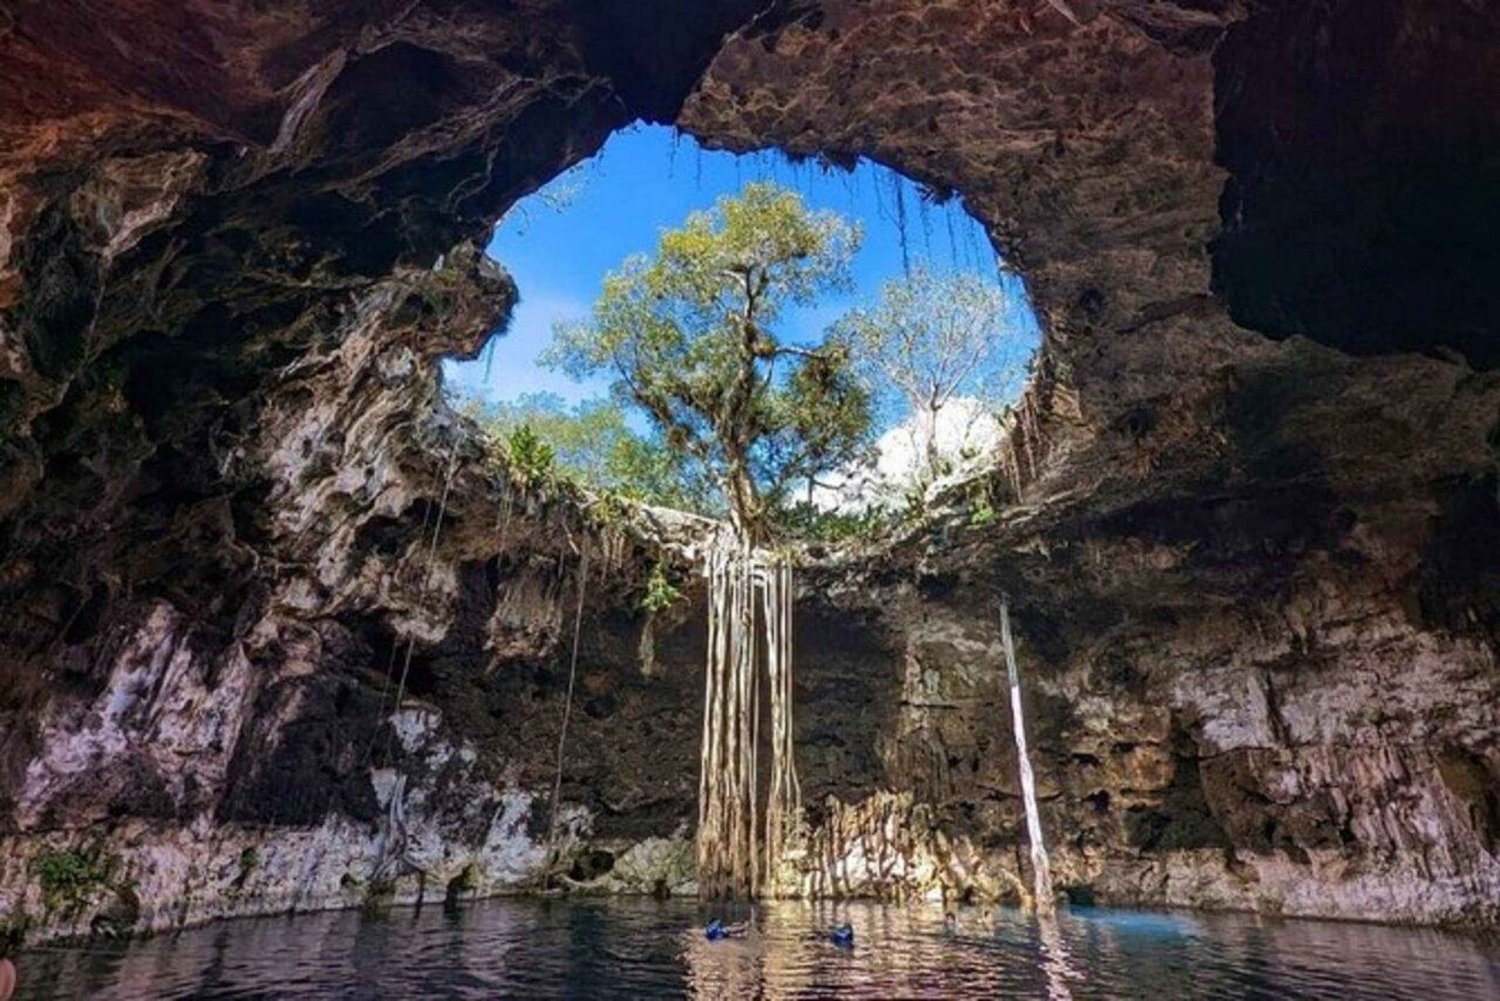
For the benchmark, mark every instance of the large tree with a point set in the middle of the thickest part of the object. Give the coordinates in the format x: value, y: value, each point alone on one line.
x: 689, y: 335
x: 933, y: 337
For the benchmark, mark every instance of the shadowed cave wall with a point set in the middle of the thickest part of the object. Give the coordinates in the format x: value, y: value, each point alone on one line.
x: 1253, y: 558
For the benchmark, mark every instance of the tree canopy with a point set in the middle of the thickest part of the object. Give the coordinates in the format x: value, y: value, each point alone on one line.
x: 933, y: 337
x: 688, y: 335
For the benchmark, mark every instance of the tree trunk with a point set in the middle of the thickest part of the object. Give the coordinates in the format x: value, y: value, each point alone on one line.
x: 744, y: 504
x: 930, y: 435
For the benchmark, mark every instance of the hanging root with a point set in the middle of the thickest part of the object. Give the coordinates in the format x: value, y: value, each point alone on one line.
x: 562, y: 736
x: 411, y: 642
x: 1040, y: 866
x: 749, y: 624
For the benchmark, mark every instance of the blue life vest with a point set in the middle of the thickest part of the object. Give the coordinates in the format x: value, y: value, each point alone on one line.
x: 842, y: 936
x: 715, y: 930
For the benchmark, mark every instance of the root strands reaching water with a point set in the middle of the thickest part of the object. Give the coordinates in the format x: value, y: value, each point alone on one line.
x: 562, y: 736
x: 749, y: 626
x: 1041, y: 869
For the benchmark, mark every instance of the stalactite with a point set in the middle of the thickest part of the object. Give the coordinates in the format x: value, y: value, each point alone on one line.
x: 900, y: 192
x: 952, y: 240
x: 1014, y: 463
x: 1024, y: 428
x: 924, y: 216
x: 489, y: 357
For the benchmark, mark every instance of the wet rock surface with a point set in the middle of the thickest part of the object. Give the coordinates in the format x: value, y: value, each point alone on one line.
x: 1256, y: 579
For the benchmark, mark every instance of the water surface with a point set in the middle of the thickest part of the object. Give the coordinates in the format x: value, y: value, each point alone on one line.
x: 615, y: 948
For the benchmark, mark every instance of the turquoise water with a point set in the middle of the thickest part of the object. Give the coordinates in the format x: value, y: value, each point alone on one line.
x: 636, y: 948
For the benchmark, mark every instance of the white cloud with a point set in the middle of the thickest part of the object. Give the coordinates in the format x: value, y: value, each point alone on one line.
x: 967, y: 437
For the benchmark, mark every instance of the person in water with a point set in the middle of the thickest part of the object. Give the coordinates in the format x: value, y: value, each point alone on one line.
x: 717, y: 930
x: 842, y: 936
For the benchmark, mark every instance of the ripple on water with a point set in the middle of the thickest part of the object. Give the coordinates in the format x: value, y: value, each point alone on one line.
x: 636, y: 948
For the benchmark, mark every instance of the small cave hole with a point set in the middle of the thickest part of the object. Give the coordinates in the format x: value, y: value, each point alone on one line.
x: 601, y: 706
x: 591, y: 866
x: 1140, y: 421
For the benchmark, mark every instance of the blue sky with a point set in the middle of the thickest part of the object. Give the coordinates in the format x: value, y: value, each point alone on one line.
x: 648, y: 178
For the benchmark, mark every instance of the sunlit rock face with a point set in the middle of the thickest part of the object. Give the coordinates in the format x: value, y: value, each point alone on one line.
x: 1255, y: 579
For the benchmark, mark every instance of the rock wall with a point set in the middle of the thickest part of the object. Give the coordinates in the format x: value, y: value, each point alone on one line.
x: 364, y: 702
x: 1311, y: 753
x: 1265, y: 667
x: 1255, y: 576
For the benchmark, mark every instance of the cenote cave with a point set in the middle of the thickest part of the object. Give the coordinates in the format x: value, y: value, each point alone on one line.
x: 750, y: 498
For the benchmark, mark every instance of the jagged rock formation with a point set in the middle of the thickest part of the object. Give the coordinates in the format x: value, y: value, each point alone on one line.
x: 1257, y: 579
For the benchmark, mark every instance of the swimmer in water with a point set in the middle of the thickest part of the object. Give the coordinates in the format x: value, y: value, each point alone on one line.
x: 717, y: 930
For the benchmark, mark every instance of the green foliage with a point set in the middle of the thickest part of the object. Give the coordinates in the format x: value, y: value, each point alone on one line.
x: 70, y: 876
x: 591, y: 443
x: 661, y: 593
x: 249, y: 861
x: 982, y: 516
x: 814, y: 524
x: 607, y: 510
x: 529, y: 456
x: 686, y: 336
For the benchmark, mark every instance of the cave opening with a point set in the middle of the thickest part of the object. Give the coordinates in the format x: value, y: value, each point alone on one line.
x: 799, y: 349
x: 919, y: 252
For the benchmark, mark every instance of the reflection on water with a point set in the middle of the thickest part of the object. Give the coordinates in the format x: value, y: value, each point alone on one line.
x: 1054, y: 958
x: 632, y: 949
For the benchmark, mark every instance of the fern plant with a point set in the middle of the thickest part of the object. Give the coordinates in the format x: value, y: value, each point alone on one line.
x: 661, y: 593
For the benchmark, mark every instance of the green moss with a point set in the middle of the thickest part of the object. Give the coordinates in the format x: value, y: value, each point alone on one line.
x: 982, y: 516
x: 248, y: 863
x: 69, y: 877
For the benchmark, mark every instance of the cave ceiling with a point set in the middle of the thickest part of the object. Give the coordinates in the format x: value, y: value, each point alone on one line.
x: 1203, y: 196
